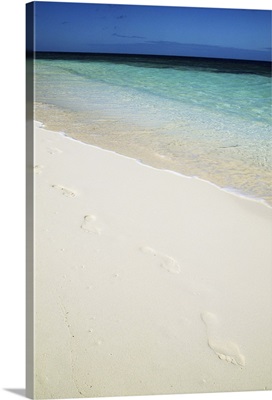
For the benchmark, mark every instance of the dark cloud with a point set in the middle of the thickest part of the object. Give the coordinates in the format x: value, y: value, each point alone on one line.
x: 129, y: 37
x: 163, y: 42
x: 201, y: 50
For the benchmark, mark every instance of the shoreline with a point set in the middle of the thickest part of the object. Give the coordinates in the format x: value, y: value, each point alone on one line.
x: 230, y: 190
x: 229, y: 167
x: 146, y: 281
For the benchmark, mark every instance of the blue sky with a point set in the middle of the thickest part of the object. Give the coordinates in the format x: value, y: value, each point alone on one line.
x: 181, y: 31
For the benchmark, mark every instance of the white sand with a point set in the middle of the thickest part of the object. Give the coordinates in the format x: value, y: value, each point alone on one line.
x: 146, y: 282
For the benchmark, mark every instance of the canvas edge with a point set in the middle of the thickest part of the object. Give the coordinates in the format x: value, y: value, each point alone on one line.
x: 29, y: 14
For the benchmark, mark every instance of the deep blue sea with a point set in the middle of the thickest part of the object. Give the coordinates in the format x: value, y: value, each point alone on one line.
x: 200, y: 117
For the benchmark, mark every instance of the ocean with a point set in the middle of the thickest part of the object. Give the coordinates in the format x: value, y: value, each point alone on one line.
x: 209, y: 118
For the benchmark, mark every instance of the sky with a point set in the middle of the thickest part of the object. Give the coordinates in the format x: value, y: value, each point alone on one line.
x: 156, y: 30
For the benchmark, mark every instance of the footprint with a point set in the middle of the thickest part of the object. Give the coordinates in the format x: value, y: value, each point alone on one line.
x: 166, y: 262
x: 225, y: 349
x: 65, y: 191
x: 53, y: 150
x: 148, y: 250
x: 89, y: 225
x: 170, y: 264
x: 38, y: 169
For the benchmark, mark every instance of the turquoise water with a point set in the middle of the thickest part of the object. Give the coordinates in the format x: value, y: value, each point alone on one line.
x: 210, y: 118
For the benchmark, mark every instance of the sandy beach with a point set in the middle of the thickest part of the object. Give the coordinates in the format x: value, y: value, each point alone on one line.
x: 146, y: 281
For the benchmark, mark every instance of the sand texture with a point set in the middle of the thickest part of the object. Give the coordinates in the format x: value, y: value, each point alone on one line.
x: 146, y: 282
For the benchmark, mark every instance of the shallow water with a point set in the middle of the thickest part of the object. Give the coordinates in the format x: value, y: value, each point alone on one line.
x: 199, y: 117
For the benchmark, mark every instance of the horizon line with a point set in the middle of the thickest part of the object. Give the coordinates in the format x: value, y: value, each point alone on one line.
x: 28, y: 52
